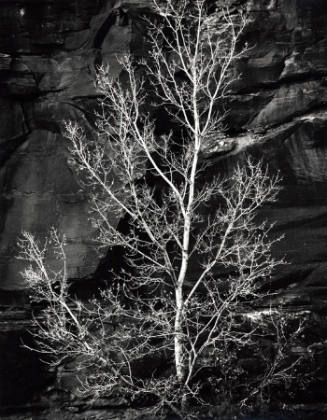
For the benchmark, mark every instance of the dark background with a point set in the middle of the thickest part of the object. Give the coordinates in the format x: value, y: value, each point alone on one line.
x: 48, y: 53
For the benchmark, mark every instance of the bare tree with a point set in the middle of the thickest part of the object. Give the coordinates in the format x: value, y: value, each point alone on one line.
x: 197, y: 259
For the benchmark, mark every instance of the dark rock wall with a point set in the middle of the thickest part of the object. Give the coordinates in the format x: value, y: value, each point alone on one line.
x: 48, y: 53
x: 282, y: 97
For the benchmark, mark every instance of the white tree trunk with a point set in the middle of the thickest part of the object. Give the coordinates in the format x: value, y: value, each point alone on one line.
x: 178, y: 341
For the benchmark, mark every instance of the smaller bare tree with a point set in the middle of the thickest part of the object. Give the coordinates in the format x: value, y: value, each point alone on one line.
x: 184, y: 306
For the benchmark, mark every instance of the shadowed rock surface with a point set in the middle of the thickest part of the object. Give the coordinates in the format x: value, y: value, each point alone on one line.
x: 49, y: 50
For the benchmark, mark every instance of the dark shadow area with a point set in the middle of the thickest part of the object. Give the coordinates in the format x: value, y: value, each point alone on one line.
x: 23, y: 376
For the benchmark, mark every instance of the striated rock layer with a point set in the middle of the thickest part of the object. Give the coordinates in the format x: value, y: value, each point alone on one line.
x: 48, y: 53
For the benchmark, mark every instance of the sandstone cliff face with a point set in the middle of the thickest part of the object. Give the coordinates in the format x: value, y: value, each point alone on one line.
x: 48, y: 53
